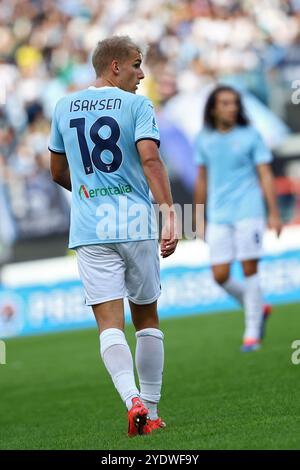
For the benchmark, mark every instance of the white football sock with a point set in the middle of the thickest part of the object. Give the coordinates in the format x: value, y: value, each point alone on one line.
x: 236, y: 289
x: 253, y: 302
x: 117, y: 358
x: 149, y: 360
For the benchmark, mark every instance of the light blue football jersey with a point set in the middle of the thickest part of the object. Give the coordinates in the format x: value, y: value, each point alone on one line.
x: 98, y: 129
x: 233, y: 189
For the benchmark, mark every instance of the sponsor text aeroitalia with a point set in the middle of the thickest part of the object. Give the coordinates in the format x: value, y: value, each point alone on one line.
x: 85, y: 192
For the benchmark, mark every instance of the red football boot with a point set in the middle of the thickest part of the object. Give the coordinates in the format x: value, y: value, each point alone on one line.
x: 137, y: 417
x: 153, y: 424
x: 267, y: 310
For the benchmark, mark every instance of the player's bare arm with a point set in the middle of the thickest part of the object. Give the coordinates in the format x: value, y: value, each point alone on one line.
x: 200, y: 195
x: 267, y: 183
x: 60, y: 171
x: 158, y: 180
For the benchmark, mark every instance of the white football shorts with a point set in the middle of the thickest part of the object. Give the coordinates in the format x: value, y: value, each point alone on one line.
x: 241, y: 241
x: 111, y: 271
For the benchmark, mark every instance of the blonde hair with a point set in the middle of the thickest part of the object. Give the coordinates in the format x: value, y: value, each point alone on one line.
x: 116, y: 47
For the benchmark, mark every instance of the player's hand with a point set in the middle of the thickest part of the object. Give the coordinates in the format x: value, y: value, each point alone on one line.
x: 169, y: 235
x: 275, y: 223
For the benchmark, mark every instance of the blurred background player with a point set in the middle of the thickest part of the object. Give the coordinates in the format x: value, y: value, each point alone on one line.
x: 104, y: 148
x: 234, y: 174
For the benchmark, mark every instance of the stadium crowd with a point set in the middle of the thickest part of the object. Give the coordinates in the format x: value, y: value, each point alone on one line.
x: 46, y: 46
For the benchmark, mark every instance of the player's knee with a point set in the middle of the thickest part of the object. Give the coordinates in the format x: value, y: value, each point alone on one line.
x: 221, y: 277
x: 250, y: 268
x: 144, y: 316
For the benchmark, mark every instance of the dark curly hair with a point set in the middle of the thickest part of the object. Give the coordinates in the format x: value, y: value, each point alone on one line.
x: 209, y: 120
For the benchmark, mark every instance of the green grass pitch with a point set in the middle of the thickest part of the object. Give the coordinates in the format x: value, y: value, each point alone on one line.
x: 56, y: 394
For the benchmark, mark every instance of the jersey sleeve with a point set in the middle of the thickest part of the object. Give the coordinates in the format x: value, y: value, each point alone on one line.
x: 146, y: 126
x: 199, y: 154
x: 56, y: 143
x: 261, y: 154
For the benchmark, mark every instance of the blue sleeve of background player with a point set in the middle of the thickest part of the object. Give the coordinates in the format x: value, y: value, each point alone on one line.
x: 261, y: 154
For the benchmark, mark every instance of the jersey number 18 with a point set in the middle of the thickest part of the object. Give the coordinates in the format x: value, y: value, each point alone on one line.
x: 100, y: 144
